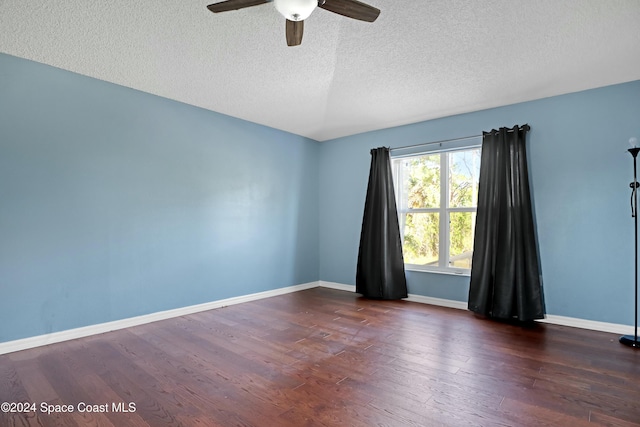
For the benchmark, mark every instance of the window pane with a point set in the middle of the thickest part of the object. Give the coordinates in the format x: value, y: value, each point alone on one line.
x: 461, y: 230
x: 464, y: 170
x: 421, y: 182
x: 421, y: 238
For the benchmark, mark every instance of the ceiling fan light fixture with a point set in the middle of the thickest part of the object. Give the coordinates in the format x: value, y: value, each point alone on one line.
x: 296, y: 10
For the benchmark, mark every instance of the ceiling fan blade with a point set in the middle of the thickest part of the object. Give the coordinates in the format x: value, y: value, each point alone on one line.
x: 227, y: 5
x: 294, y: 32
x: 351, y: 9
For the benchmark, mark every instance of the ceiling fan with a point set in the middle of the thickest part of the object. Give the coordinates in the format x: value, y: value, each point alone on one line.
x: 296, y: 11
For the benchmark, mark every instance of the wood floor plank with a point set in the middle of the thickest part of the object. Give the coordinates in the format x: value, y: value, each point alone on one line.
x: 323, y: 357
x: 609, y: 420
x: 519, y: 413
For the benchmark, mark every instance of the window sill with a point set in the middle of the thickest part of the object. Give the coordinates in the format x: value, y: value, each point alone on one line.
x: 463, y: 273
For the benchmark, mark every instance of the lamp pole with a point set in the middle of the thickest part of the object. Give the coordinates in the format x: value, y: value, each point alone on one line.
x: 632, y: 340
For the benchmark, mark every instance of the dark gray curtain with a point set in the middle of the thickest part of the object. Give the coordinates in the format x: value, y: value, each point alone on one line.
x: 505, y: 273
x: 380, y: 272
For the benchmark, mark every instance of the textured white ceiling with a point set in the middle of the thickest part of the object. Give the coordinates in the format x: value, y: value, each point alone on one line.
x: 420, y: 60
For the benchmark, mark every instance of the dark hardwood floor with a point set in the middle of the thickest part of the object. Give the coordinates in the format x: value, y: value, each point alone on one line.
x: 327, y: 358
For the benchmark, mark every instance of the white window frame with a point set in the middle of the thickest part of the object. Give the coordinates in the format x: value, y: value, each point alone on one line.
x: 444, y: 210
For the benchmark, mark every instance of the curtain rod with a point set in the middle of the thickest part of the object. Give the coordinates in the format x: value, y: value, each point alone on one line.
x: 436, y: 142
x: 524, y: 127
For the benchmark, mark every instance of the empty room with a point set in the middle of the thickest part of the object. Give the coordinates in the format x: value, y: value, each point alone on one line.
x: 319, y: 213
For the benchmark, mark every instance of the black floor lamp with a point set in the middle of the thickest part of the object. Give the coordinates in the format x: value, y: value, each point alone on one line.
x: 632, y: 340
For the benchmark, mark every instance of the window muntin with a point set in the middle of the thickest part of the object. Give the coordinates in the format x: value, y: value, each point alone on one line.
x: 436, y: 209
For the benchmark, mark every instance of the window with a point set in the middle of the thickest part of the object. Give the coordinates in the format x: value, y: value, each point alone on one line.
x: 437, y: 197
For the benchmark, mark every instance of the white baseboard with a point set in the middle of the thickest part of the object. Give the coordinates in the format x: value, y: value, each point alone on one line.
x: 572, y: 322
x: 460, y: 305
x: 412, y: 297
x: 55, y: 337
x: 338, y: 286
x: 70, y: 334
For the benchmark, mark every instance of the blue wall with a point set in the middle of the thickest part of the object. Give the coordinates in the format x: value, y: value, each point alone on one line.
x: 580, y: 173
x: 115, y: 203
